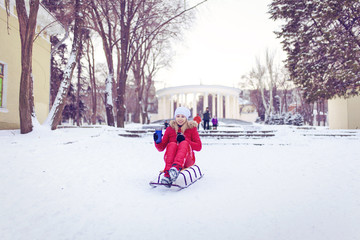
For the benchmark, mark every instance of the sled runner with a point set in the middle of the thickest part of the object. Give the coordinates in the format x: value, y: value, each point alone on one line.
x: 187, y: 177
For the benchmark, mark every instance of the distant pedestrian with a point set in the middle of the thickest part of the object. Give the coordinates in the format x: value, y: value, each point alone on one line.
x: 206, y: 118
x: 215, y: 122
x: 166, y: 124
x: 197, y: 119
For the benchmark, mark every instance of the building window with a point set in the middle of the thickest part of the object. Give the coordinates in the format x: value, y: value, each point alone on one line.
x: 2, y: 73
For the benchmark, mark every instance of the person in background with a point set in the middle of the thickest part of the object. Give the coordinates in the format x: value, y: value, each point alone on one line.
x: 206, y: 118
x: 214, y: 122
x: 197, y: 119
x: 166, y: 124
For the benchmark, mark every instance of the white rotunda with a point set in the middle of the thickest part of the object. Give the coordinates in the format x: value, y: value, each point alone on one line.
x: 222, y: 101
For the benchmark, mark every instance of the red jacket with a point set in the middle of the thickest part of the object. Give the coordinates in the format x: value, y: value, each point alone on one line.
x: 197, y: 119
x: 189, y: 129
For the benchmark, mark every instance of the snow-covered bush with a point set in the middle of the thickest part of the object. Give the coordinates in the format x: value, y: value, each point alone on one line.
x: 285, y: 119
x: 275, y: 119
x: 298, y: 119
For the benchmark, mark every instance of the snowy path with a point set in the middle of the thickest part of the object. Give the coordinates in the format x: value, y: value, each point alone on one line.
x: 93, y: 184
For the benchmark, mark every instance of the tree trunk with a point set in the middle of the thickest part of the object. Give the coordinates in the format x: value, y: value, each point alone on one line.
x: 138, y: 92
x: 262, y: 91
x: 120, y: 101
x: 270, y: 67
x: 93, y: 88
x: 145, y: 115
x: 108, y: 99
x: 27, y: 26
x: 55, y: 114
x: 77, y: 118
x: 107, y: 46
x: 124, y: 47
x: 91, y: 68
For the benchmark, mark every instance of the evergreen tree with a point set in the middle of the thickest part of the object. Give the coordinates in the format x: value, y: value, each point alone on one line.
x: 322, y: 41
x: 73, y: 107
x: 298, y: 120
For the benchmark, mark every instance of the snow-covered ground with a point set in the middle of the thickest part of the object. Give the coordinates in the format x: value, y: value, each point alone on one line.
x: 90, y: 183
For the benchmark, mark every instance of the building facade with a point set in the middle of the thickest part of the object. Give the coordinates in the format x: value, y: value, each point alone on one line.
x: 344, y: 113
x: 10, y: 66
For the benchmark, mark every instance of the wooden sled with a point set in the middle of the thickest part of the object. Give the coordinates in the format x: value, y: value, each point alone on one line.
x: 187, y: 177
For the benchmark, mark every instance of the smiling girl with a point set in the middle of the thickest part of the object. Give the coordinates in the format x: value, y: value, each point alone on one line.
x: 180, y: 140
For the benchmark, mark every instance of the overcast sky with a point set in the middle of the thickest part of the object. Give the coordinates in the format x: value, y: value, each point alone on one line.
x: 222, y: 44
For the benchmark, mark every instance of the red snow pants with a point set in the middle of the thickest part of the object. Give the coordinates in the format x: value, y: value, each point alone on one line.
x: 180, y: 154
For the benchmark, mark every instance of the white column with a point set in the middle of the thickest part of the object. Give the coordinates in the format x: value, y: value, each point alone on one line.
x: 222, y: 106
x: 185, y: 100
x: 227, y: 106
x: 166, y: 106
x: 206, y: 98
x: 171, y: 106
x: 177, y: 101
x: 218, y: 113
x: 213, y: 109
x: 161, y: 109
x: 194, y: 105
x: 236, y: 107
x: 232, y: 107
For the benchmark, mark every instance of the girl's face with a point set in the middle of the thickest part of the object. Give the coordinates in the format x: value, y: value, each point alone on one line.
x: 180, y: 119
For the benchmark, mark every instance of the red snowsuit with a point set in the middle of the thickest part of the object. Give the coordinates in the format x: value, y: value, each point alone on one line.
x: 181, y: 154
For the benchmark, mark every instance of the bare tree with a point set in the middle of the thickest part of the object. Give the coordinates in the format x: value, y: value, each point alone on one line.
x: 55, y: 114
x: 139, y: 77
x: 102, y: 18
x: 271, y: 80
x: 152, y: 66
x: 256, y: 80
x: 79, y: 82
x: 265, y: 78
x: 149, y: 52
x: 126, y: 13
x: 90, y: 58
x: 27, y: 25
x: 286, y: 85
x: 129, y: 14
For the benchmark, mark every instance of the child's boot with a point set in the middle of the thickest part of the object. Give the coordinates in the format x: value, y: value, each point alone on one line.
x: 166, y: 179
x: 174, y: 172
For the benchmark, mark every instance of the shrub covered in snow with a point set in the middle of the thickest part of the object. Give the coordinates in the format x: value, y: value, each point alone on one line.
x: 285, y: 119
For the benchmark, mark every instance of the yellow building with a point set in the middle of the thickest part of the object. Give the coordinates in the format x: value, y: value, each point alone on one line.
x: 10, y: 66
x: 344, y: 113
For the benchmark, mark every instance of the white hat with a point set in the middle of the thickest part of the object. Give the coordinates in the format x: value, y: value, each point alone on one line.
x: 182, y: 110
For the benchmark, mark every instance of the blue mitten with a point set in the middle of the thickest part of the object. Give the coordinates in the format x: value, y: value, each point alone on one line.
x: 155, y: 137
x: 158, y: 137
